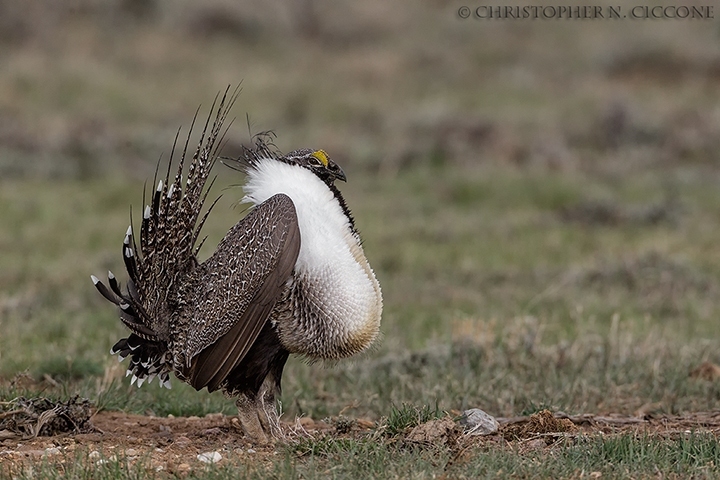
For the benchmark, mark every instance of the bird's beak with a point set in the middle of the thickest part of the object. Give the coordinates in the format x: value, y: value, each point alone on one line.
x: 340, y: 174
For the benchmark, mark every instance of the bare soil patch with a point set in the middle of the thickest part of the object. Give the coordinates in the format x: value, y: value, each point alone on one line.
x: 174, y: 445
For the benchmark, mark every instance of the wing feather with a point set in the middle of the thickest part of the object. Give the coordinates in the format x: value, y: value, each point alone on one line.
x: 241, y: 284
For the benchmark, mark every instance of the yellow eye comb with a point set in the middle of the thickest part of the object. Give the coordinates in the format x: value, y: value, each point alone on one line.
x: 322, y: 156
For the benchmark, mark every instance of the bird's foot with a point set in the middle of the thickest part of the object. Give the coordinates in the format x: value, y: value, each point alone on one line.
x: 259, y: 419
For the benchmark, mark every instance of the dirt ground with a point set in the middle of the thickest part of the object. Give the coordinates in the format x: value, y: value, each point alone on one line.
x: 178, y: 445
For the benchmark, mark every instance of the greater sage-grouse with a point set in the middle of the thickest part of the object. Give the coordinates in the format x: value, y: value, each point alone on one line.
x: 290, y: 277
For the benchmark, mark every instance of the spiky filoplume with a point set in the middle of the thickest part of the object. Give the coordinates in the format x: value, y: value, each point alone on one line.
x: 290, y: 277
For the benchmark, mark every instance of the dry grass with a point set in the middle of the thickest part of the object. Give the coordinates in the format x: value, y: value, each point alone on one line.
x: 539, y: 200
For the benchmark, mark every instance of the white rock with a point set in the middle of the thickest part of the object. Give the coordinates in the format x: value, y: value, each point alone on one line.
x: 52, y: 451
x: 131, y: 452
x: 477, y: 422
x: 93, y: 455
x: 210, y: 457
x: 104, y: 461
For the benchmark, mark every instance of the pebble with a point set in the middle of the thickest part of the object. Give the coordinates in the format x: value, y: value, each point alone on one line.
x: 210, y: 457
x: 183, y: 467
x: 93, y: 455
x: 250, y: 450
x: 131, y: 452
x: 103, y: 461
x: 477, y: 422
x: 31, y: 453
x: 536, y: 443
x: 306, y: 421
x: 52, y: 451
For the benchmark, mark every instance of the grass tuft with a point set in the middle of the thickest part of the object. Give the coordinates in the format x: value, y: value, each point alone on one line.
x: 407, y: 416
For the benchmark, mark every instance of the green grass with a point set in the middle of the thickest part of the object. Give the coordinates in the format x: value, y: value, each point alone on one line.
x: 464, y: 298
x: 407, y: 416
x: 617, y: 456
x: 470, y: 148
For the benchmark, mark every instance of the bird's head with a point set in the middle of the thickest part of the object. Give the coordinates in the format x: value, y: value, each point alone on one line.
x: 318, y: 162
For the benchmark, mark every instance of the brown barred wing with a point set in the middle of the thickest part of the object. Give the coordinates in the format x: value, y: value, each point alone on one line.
x: 237, y: 289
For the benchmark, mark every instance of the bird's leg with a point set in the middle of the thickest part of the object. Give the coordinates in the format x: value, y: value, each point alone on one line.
x: 249, y: 417
x: 267, y: 410
x: 258, y: 414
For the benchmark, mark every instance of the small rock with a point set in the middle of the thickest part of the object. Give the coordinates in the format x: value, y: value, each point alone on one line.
x: 93, y: 455
x: 250, y: 450
x: 477, y: 422
x: 306, y: 421
x: 170, y: 415
x: 706, y: 371
x: 182, y: 439
x: 31, y: 453
x: 131, y: 452
x: 536, y: 443
x: 193, y: 418
x: 103, y: 461
x: 210, y: 457
x: 211, y: 431
x: 434, y: 432
x: 183, y: 467
x: 52, y: 451
x: 214, y: 416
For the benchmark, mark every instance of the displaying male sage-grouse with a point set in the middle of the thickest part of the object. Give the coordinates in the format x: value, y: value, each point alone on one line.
x: 290, y: 277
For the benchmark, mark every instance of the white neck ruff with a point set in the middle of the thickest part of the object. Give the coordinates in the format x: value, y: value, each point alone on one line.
x: 330, y: 260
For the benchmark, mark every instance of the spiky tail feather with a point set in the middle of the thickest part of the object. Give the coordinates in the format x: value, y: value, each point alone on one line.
x: 168, y: 233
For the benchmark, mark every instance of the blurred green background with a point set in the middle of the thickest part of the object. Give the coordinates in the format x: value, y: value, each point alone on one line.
x: 539, y: 198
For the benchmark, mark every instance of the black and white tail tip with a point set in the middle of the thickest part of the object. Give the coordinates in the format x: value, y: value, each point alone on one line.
x: 143, y: 367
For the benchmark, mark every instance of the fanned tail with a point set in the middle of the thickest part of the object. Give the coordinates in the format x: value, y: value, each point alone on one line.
x: 166, y: 254
x: 170, y: 226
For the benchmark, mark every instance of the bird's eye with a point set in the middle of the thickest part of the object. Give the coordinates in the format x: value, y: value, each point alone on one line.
x: 319, y: 158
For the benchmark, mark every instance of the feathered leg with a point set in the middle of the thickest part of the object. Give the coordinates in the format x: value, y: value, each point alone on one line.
x: 256, y: 382
x: 258, y: 414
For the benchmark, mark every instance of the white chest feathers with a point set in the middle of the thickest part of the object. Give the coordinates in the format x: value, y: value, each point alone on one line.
x: 338, y: 301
